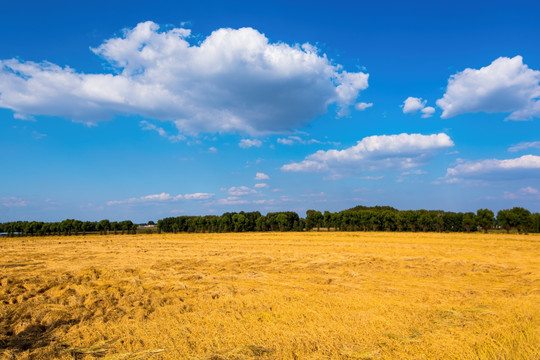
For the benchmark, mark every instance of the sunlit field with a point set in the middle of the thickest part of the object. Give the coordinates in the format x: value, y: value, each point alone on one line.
x: 328, y: 295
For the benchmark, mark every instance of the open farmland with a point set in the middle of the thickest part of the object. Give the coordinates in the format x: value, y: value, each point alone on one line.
x: 271, y: 295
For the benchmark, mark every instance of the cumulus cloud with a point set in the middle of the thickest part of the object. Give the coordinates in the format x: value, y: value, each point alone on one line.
x: 163, y: 197
x: 412, y: 105
x: 261, y: 185
x: 526, y: 166
x: 505, y: 86
x: 525, y: 146
x: 427, y: 111
x: 234, y: 80
x: 247, y: 143
x: 241, y: 191
x: 361, y: 106
x: 376, y: 152
x: 261, y: 176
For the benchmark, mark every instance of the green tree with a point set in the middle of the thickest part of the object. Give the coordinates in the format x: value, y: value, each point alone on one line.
x: 485, y: 219
x: 506, y: 219
x: 469, y: 221
x: 524, y: 219
x: 314, y: 218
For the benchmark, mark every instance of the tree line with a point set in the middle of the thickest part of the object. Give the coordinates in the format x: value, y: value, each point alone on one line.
x: 67, y: 227
x: 359, y: 218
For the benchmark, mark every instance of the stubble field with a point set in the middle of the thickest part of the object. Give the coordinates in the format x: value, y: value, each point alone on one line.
x: 271, y: 295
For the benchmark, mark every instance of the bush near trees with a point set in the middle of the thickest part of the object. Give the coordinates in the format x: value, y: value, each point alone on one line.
x: 359, y: 218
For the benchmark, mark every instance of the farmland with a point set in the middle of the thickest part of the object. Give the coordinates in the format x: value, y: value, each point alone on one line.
x: 327, y: 295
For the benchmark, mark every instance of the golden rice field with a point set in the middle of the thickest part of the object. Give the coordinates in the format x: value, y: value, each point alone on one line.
x: 271, y: 296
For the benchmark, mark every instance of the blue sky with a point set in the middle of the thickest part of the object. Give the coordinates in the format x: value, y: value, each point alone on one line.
x: 142, y: 110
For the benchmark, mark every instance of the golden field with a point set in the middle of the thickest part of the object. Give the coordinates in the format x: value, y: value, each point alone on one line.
x: 328, y: 295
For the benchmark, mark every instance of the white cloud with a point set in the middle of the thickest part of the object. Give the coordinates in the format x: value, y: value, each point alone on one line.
x: 234, y: 80
x: 361, y: 106
x: 291, y: 140
x: 372, y: 177
x: 231, y: 200
x: 163, y: 197
x: 524, y: 146
x: 261, y: 176
x: 212, y: 149
x: 285, y: 141
x: 156, y: 197
x: 241, y: 191
x: 198, y: 196
x: 151, y: 127
x: 376, y: 152
x: 247, y: 143
x: 412, y: 105
x: 505, y: 86
x: 261, y: 185
x: 24, y: 117
x: 12, y: 201
x: 494, y: 169
x: 528, y: 193
x: 427, y: 111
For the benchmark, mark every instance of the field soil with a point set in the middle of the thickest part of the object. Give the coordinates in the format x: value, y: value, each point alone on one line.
x: 328, y: 295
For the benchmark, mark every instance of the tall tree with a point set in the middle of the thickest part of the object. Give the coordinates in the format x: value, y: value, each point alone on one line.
x: 485, y: 219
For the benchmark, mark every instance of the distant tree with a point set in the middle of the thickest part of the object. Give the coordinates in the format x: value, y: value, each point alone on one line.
x: 485, y: 219
x: 327, y: 220
x: 523, y: 218
x: 314, y: 219
x: 239, y: 222
x: 389, y: 220
x: 281, y: 220
x: 104, y: 226
x: 424, y: 220
x: 535, y: 227
x: 114, y: 227
x: 411, y: 217
x: 437, y: 220
x: 261, y: 223
x: 506, y: 219
x: 469, y: 221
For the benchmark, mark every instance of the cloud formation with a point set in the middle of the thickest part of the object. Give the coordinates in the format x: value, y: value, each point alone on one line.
x: 12, y: 201
x: 163, y: 197
x: 525, y: 146
x: 247, y: 143
x: 241, y: 191
x: 527, y: 193
x: 526, y: 166
x: 234, y: 81
x: 505, y: 86
x: 361, y: 106
x: 412, y: 105
x: 261, y: 176
x: 376, y: 152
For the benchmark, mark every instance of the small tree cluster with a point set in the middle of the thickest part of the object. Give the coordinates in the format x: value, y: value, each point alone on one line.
x: 67, y: 227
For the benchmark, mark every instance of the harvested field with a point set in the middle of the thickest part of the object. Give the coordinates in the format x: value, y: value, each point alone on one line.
x: 271, y: 296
